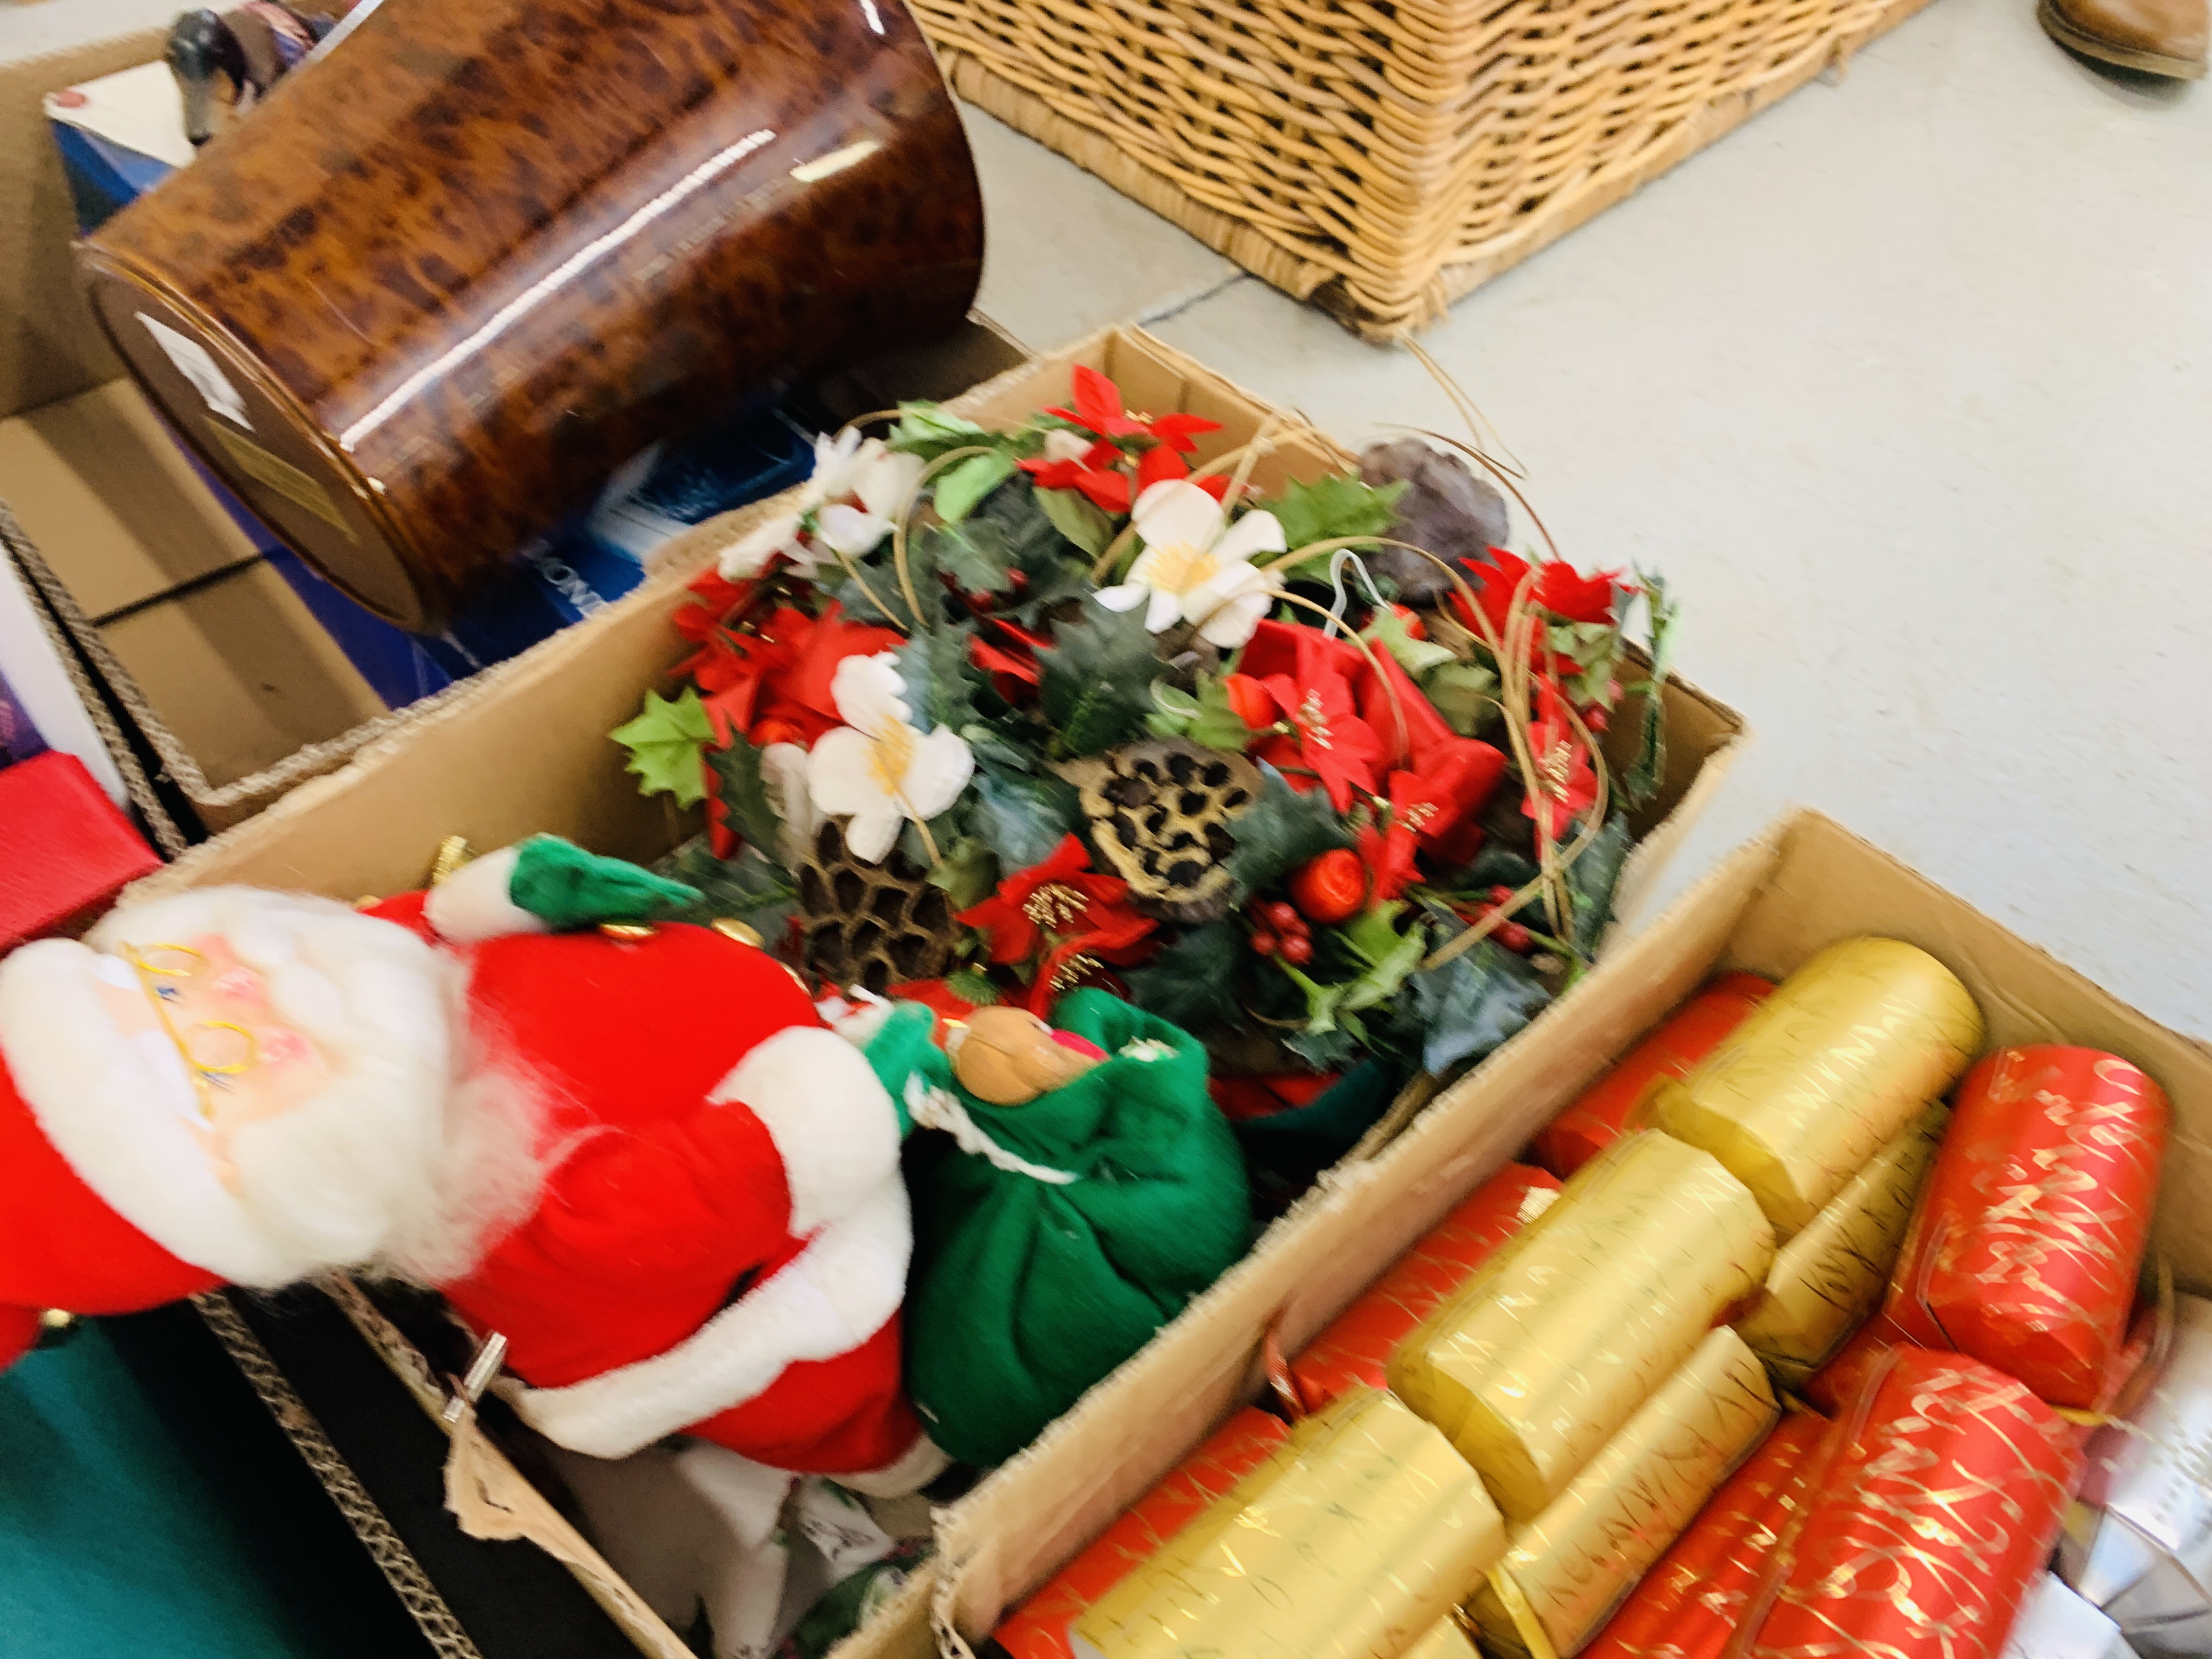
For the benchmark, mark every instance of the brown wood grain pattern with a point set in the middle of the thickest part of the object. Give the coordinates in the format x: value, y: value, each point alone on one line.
x: 478, y: 256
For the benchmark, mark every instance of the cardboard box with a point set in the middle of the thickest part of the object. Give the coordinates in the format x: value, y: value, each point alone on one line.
x: 522, y: 749
x: 1806, y: 883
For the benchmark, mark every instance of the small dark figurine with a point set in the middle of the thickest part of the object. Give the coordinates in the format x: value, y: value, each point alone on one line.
x: 230, y: 59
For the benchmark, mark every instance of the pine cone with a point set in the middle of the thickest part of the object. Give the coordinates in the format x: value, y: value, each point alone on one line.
x: 872, y: 925
x: 1159, y: 813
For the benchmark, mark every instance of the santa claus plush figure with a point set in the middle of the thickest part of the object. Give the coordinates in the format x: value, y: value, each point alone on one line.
x: 636, y: 1151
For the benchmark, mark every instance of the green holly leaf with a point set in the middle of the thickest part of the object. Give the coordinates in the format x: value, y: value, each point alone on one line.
x: 664, y: 743
x: 972, y: 985
x: 940, y: 681
x: 1393, y: 631
x: 1337, y: 506
x: 1465, y: 694
x: 1649, y: 767
x: 1472, y: 1005
x: 1052, y: 584
x: 749, y: 887
x: 1594, y: 649
x: 1217, y: 725
x: 746, y: 803
x: 1205, y: 717
x: 1033, y: 541
x: 959, y: 489
x: 1336, y: 1050
x: 1321, y: 1000
x: 1174, y: 709
x: 927, y: 431
x: 1098, y: 673
x: 1022, y: 816
x: 1280, y: 831
x: 974, y: 556
x: 1592, y: 878
x: 1077, y: 518
x: 1193, y: 982
x: 966, y: 873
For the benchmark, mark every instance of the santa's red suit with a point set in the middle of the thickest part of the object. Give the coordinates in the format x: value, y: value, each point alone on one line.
x: 645, y: 1162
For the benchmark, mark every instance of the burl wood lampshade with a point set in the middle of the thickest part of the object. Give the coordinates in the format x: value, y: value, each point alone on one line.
x: 472, y: 258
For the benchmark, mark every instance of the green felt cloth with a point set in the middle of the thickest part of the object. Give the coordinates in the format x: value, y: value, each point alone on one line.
x: 111, y: 1544
x: 1025, y: 1293
x: 562, y: 885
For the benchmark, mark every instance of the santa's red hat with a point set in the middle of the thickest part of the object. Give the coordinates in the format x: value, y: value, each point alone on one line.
x: 108, y: 1203
x: 62, y: 1246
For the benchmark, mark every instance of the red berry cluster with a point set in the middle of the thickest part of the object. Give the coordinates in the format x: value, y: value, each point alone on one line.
x: 1511, y: 934
x: 1278, y: 928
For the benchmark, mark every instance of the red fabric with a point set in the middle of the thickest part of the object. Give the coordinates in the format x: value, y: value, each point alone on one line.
x: 65, y: 849
x: 1936, y: 1498
x: 661, y: 1210
x: 1690, y: 1604
x: 1608, y: 1109
x: 19, y: 1330
x: 1356, y: 1349
x: 2025, y: 1248
x: 1039, y: 1630
x: 859, y: 1395
x: 659, y: 1203
x: 61, y: 1246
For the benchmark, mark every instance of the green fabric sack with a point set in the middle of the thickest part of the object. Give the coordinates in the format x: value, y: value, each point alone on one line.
x: 1053, y: 1239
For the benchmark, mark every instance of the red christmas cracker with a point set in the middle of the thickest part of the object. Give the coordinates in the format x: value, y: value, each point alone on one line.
x: 1691, y: 1603
x: 1039, y: 1629
x: 1933, y: 1505
x: 1356, y: 1349
x: 1608, y: 1109
x: 2029, y: 1238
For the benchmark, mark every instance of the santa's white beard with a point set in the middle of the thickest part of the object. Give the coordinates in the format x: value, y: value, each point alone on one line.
x: 400, y: 1164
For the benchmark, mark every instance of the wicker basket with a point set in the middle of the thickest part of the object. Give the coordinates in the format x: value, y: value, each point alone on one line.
x: 1383, y: 157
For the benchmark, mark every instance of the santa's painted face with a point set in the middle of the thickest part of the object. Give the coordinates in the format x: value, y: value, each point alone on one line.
x: 244, y: 1063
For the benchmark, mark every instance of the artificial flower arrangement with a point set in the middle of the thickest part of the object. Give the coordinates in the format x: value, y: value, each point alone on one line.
x: 990, y: 715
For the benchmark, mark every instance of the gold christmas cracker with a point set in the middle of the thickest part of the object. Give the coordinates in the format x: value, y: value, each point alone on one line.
x: 1825, y: 1073
x: 1825, y: 1281
x: 1445, y: 1640
x: 1351, y: 1547
x: 1570, y: 1326
x: 1564, y: 1573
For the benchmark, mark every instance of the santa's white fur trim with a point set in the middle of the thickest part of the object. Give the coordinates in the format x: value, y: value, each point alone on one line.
x: 120, y: 1110
x: 476, y: 902
x: 923, y: 1461
x: 835, y: 1295
x: 833, y: 1124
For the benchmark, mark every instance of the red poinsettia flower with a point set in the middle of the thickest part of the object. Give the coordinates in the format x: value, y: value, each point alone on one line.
x: 1424, y: 731
x: 1063, y: 899
x: 1010, y: 659
x: 1566, y: 592
x: 1564, y: 784
x: 1389, y: 855
x: 1097, y: 472
x: 1334, y: 743
x: 1098, y: 406
x: 719, y: 601
x: 781, y: 673
x: 1559, y: 589
x: 1099, y: 411
x: 1437, y: 801
x: 1277, y: 648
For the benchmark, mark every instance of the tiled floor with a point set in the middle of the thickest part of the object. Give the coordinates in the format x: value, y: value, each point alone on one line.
x: 1907, y: 384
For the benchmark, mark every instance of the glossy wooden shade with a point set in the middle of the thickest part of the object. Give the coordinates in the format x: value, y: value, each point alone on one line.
x: 455, y: 271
